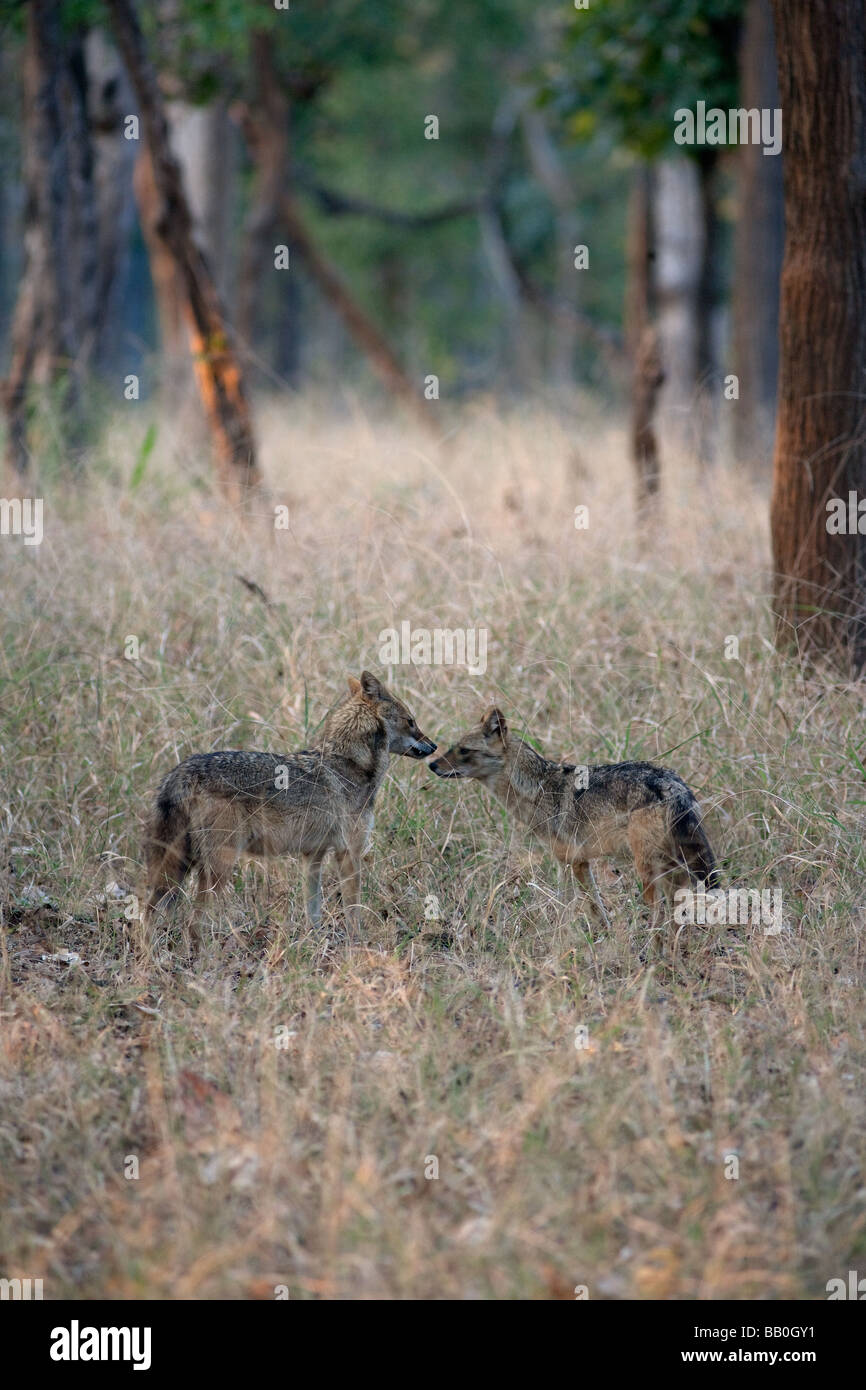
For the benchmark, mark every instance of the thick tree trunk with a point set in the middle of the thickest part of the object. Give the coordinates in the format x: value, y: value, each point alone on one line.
x: 708, y: 384
x: 820, y: 587
x: 198, y: 138
x: 203, y: 139
x: 54, y: 324
x: 758, y: 246
x: 642, y: 340
x: 679, y: 233
x: 217, y: 369
x: 109, y: 102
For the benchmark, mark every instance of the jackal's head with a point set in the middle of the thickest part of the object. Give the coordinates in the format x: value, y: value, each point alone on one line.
x: 404, y: 736
x: 480, y: 753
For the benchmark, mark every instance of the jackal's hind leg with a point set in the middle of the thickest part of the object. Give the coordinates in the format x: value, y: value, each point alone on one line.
x: 651, y: 872
x: 167, y: 868
x: 214, y: 875
x: 589, y: 898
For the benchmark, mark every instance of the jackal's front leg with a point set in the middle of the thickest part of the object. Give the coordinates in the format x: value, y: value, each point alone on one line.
x: 312, y: 865
x: 349, y: 865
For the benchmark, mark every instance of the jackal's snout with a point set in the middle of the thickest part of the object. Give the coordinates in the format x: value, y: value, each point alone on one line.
x: 421, y: 747
x: 449, y: 765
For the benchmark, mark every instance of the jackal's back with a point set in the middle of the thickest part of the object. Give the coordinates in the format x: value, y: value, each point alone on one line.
x: 615, y: 791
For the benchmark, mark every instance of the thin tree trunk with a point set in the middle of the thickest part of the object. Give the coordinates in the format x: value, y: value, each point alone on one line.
x: 362, y: 329
x: 820, y: 586
x: 758, y: 248
x: 217, y: 369
x: 642, y: 341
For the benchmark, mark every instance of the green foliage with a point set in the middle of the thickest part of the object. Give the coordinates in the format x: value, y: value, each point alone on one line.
x: 139, y: 468
x: 631, y: 64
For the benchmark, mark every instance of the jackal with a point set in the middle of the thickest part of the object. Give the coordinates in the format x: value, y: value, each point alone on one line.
x: 591, y: 813
x: 214, y: 807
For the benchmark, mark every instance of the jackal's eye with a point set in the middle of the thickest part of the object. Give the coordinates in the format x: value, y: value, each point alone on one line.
x: 464, y: 752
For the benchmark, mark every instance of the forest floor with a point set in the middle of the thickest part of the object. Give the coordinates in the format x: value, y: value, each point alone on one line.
x: 271, y: 1115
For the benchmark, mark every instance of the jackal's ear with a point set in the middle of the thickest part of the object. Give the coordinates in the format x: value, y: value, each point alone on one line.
x: 493, y: 724
x: 354, y: 685
x: 372, y: 687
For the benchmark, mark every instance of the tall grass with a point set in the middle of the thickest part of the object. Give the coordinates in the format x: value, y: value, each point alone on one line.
x: 284, y: 1096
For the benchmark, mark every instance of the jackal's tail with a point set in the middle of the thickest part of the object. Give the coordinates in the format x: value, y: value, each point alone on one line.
x: 167, y: 849
x: 693, y: 847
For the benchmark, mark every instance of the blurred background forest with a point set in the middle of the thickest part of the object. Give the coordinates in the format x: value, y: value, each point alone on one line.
x: 443, y: 167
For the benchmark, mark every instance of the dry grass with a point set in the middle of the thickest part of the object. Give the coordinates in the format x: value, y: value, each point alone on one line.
x: 304, y: 1165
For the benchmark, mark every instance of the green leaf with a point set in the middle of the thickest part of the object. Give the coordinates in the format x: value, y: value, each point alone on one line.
x: 144, y: 454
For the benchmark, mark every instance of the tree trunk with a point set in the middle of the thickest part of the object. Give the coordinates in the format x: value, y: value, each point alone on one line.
x: 203, y: 139
x: 217, y: 369
x: 642, y: 340
x: 109, y: 102
x: 53, y: 329
x: 708, y: 383
x: 167, y: 283
x: 679, y: 232
x: 758, y: 245
x: 820, y: 593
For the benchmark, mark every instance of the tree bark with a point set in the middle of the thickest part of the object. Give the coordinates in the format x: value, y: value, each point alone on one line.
x: 820, y: 593
x: 167, y: 283
x: 642, y: 339
x: 679, y: 233
x: 708, y: 383
x: 109, y: 102
x: 54, y: 323
x: 217, y: 370
x: 759, y: 241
